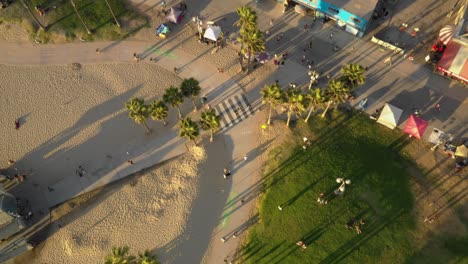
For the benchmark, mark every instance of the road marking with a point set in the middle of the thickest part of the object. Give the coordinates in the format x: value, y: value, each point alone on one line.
x: 233, y: 110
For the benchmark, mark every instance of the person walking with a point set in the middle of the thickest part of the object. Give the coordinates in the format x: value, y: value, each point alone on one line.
x: 226, y: 173
x: 135, y: 57
x: 98, y: 51
x: 17, y: 124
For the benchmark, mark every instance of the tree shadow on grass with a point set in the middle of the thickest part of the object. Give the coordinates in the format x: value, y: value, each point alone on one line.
x: 371, y: 230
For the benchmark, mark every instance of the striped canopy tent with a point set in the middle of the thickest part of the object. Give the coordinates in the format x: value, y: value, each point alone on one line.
x: 454, y: 61
x: 446, y: 34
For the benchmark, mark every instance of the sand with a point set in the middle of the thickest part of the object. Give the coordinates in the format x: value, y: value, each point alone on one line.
x: 149, y: 213
x: 69, y: 112
x: 12, y: 32
x: 64, y: 110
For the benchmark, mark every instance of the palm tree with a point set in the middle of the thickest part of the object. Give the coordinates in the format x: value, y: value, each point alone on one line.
x: 271, y: 95
x: 252, y: 42
x: 81, y: 19
x: 120, y: 255
x: 247, y: 17
x: 251, y: 38
x: 294, y: 101
x: 112, y: 12
x: 174, y: 97
x: 139, y: 112
x: 189, y: 129
x: 159, y: 111
x: 32, y: 15
x: 190, y: 88
x: 147, y: 258
x: 353, y: 74
x: 315, y: 97
x: 210, y: 121
x: 337, y: 92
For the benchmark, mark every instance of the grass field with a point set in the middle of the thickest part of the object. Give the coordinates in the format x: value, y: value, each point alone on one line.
x: 355, y: 148
x: 62, y: 23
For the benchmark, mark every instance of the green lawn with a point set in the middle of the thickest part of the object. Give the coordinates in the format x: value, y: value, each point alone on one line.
x: 353, y: 147
x: 63, y: 23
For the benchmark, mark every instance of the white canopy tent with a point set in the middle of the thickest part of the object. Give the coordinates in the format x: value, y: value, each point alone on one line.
x: 212, y: 33
x: 390, y: 116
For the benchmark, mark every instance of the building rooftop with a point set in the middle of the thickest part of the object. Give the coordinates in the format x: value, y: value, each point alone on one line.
x: 362, y: 8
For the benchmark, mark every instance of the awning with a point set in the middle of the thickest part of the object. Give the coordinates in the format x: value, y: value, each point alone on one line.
x: 415, y: 126
x: 454, y: 61
x: 212, y: 32
x: 389, y: 116
x: 446, y: 34
x: 462, y: 151
x: 174, y: 15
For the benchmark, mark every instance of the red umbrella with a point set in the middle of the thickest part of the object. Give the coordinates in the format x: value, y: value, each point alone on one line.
x: 415, y: 126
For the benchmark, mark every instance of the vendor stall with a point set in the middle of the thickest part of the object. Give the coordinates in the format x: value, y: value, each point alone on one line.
x: 454, y: 62
x: 390, y: 116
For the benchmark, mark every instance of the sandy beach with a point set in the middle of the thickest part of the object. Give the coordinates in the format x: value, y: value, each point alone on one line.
x: 146, y: 211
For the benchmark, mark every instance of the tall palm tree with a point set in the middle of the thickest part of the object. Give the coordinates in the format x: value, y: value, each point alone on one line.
x: 210, y: 121
x: 191, y: 88
x: 271, y: 95
x: 120, y: 255
x: 32, y: 15
x: 315, y: 98
x: 159, y: 111
x: 174, y: 97
x: 247, y: 17
x: 294, y: 101
x: 189, y: 129
x: 251, y: 37
x: 79, y: 16
x: 147, y: 258
x: 138, y: 111
x: 337, y: 92
x: 353, y: 74
x: 113, y: 15
x: 252, y: 42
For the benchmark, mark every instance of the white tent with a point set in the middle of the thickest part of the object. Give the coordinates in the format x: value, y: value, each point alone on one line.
x: 390, y: 116
x: 212, y: 32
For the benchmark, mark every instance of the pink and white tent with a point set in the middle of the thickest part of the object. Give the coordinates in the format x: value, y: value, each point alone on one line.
x: 454, y: 61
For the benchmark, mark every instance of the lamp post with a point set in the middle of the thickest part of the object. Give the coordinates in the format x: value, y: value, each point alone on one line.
x: 199, y: 23
x: 342, y: 187
x: 314, y: 75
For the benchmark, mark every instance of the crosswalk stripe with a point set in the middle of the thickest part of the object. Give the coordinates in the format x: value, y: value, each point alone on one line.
x: 247, y: 103
x: 227, y: 112
x: 233, y: 110
x: 219, y: 112
x: 237, y: 115
x: 245, y: 106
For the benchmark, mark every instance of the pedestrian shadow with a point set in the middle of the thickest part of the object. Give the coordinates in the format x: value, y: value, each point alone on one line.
x: 241, y: 229
x: 291, y: 201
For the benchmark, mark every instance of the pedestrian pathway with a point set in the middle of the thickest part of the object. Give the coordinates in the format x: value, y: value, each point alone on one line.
x: 233, y: 110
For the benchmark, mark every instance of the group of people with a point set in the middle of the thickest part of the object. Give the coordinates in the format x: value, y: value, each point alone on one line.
x: 279, y: 60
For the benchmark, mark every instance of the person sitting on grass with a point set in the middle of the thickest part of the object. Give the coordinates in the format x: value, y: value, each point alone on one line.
x: 302, y: 245
x: 350, y: 223
x: 321, y: 199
